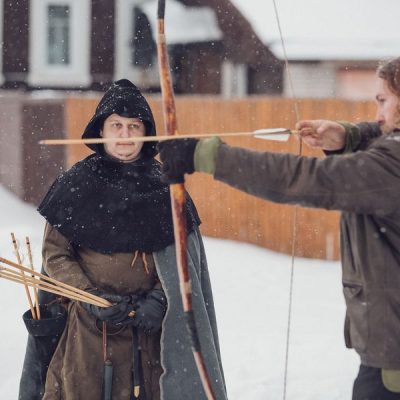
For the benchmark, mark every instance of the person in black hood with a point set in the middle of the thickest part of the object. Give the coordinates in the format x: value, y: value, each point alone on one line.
x: 122, y: 98
x: 109, y: 231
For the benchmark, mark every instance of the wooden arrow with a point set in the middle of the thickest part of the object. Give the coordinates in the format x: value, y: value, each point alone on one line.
x: 275, y: 134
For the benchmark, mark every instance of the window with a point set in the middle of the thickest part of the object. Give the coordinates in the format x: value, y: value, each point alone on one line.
x: 144, y: 47
x: 58, y: 26
x: 60, y: 43
x: 233, y: 79
x: 136, y: 50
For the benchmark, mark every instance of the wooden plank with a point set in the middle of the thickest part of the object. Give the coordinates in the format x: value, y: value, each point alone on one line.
x: 226, y: 212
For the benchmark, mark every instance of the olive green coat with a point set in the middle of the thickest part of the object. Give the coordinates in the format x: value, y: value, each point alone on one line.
x: 365, y: 186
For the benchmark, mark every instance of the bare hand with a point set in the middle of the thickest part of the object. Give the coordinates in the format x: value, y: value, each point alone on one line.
x: 322, y: 133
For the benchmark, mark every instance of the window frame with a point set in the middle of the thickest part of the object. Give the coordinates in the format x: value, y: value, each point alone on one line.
x: 123, y: 53
x: 77, y: 72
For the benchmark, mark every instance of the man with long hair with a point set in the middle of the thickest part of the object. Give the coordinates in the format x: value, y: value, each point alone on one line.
x: 361, y: 178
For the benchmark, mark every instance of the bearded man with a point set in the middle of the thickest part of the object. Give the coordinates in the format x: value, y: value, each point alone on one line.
x: 361, y: 178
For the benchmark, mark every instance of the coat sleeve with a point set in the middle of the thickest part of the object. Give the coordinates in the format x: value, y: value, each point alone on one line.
x: 363, y: 182
x: 367, y: 133
x: 60, y: 260
x: 358, y: 137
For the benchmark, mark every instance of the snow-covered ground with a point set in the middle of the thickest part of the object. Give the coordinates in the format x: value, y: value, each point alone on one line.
x: 251, y: 288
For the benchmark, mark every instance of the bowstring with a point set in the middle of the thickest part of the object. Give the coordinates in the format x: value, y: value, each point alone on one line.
x: 295, y: 213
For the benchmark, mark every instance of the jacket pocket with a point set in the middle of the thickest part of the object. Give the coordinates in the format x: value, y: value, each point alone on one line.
x: 356, y: 325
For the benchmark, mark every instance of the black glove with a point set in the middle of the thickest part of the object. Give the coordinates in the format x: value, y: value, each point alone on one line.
x: 123, y: 306
x: 150, y: 311
x: 177, y: 158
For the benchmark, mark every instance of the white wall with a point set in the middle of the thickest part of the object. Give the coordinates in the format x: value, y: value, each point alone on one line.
x: 356, y: 84
x: 311, y: 80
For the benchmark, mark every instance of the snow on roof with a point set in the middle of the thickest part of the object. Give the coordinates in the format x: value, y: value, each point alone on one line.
x: 184, y: 24
x: 327, y: 29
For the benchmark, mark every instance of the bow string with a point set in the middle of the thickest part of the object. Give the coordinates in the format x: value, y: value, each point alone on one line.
x: 296, y: 208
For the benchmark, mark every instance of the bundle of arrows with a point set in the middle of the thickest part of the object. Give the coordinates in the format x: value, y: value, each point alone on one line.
x: 28, y: 277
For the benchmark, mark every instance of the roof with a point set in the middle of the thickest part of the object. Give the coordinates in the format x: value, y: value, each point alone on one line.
x: 184, y: 24
x: 327, y: 29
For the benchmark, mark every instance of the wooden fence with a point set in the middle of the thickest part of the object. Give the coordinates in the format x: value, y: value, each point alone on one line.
x: 228, y: 213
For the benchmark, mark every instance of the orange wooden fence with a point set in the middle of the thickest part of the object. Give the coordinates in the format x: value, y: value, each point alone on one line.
x: 226, y: 212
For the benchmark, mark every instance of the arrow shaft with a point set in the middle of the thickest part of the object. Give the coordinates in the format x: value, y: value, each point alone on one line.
x: 260, y: 132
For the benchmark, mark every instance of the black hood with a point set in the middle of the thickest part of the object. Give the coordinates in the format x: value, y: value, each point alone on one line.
x: 125, y: 99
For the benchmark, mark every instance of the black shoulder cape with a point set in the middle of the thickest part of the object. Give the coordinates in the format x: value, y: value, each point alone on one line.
x: 111, y: 206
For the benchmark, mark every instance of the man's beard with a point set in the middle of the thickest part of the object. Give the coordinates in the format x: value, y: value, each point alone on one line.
x: 386, y: 129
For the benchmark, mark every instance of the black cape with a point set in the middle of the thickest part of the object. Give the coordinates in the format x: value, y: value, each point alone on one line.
x: 111, y: 206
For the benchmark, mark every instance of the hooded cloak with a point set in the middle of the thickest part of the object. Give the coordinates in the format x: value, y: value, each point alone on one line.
x: 111, y: 206
x: 114, y: 207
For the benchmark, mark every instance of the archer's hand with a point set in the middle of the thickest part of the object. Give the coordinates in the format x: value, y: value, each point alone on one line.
x: 150, y: 311
x: 121, y: 310
x: 321, y: 133
x: 177, y: 157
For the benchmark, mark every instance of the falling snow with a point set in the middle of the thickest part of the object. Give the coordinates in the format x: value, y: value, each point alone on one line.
x: 251, y: 289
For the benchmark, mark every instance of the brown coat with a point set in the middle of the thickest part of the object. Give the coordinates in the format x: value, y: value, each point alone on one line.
x: 365, y: 186
x: 76, y: 370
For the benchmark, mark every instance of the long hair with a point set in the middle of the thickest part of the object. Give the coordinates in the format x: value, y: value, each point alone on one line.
x: 390, y: 72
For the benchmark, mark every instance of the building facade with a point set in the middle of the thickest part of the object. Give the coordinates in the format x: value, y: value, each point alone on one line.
x: 86, y: 44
